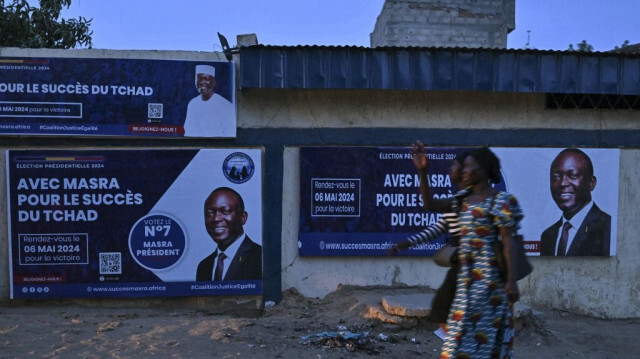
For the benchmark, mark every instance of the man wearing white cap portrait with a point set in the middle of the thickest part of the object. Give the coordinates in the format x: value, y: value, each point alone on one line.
x: 209, y: 114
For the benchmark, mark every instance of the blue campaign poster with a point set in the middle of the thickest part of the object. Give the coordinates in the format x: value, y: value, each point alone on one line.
x: 134, y: 223
x: 117, y: 97
x: 358, y: 201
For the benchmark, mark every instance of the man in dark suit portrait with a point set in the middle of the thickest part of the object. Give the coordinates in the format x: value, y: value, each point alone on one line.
x: 583, y: 229
x: 236, y: 257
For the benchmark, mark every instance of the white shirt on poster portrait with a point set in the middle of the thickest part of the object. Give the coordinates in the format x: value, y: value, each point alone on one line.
x: 212, y: 118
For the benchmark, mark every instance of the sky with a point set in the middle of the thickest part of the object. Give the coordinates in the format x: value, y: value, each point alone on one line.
x: 192, y: 25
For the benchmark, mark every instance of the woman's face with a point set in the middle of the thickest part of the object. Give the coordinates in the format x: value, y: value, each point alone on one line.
x: 455, y: 172
x: 472, y: 173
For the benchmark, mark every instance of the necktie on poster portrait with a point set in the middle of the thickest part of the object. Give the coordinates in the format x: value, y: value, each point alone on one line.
x: 219, y: 266
x: 564, y: 239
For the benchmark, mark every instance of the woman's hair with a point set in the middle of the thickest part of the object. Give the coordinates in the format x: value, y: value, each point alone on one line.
x: 460, y: 158
x: 488, y: 161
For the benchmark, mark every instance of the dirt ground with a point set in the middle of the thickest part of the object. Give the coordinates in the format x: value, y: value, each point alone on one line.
x: 298, y: 327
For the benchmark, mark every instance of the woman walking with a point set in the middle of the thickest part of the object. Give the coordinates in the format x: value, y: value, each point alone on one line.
x: 449, y: 222
x: 480, y: 322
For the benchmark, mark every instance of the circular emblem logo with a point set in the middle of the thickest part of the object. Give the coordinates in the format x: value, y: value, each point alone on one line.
x: 157, y: 242
x: 238, y: 167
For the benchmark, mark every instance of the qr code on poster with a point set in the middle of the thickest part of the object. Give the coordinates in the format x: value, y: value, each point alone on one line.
x: 110, y: 263
x: 154, y: 110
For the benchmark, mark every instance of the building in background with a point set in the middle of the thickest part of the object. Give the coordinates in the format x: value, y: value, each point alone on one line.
x: 444, y: 23
x: 470, y: 92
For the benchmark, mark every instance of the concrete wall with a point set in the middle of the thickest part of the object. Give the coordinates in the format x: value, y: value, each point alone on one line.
x: 608, y: 287
x: 446, y: 23
x: 114, y: 54
x: 418, y: 110
x: 603, y: 286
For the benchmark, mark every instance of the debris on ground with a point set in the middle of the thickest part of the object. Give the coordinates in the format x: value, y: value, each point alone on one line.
x: 344, y: 339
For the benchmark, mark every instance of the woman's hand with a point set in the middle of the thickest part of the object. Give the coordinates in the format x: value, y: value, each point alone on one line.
x: 396, y: 248
x: 508, y: 246
x: 421, y: 162
x: 419, y: 156
x: 393, y: 250
x: 512, y: 291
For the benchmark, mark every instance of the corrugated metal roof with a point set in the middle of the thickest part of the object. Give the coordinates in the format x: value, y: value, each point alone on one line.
x: 439, y: 69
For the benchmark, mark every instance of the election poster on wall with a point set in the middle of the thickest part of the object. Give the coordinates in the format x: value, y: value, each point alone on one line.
x: 134, y: 223
x: 359, y: 201
x: 117, y: 97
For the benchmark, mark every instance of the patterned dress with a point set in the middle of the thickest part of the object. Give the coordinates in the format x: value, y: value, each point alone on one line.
x: 443, y: 298
x: 448, y: 222
x: 480, y: 323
